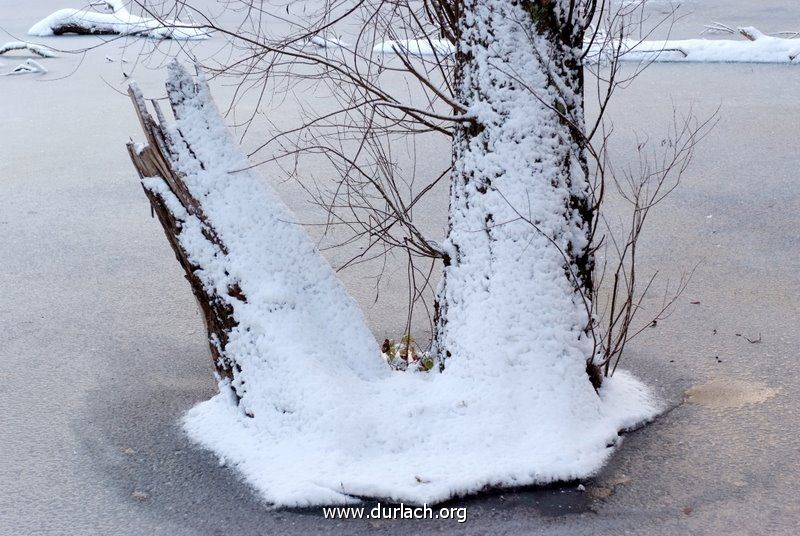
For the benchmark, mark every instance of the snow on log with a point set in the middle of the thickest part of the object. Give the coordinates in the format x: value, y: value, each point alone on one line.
x: 308, y: 412
x: 39, y: 50
x: 328, y: 42
x: 416, y: 47
x: 756, y: 47
x: 120, y: 21
x: 29, y: 67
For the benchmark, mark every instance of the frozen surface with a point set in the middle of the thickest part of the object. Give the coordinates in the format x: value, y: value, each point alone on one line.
x: 104, y: 350
x: 324, y: 403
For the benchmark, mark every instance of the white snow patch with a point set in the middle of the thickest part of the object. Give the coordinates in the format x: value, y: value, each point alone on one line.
x: 415, y: 439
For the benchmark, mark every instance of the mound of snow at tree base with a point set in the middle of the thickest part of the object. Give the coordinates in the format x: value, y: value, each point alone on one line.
x: 417, y: 439
x: 331, y: 422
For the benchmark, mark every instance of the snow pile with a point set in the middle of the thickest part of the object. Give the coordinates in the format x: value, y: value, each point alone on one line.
x: 331, y: 422
x: 119, y: 21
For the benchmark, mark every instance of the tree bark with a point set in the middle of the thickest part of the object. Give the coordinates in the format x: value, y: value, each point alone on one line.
x: 155, y: 159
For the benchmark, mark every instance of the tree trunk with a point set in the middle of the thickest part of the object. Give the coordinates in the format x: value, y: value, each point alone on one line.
x: 518, y: 273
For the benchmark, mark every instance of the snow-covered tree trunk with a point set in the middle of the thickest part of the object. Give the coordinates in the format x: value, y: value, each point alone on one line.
x: 518, y: 271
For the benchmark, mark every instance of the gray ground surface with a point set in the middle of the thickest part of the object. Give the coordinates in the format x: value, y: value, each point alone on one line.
x: 103, y: 349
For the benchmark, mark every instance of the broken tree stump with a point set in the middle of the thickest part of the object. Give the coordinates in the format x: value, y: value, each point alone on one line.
x: 158, y: 159
x: 274, y: 309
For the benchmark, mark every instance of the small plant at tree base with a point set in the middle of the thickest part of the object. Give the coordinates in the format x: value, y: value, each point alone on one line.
x: 406, y: 355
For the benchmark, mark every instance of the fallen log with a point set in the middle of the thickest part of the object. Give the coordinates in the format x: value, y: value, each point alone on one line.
x: 756, y: 47
x: 119, y: 21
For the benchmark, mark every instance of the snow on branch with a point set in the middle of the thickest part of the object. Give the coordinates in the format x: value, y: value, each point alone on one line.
x: 119, y: 21
x: 328, y: 42
x: 29, y: 67
x: 39, y: 50
x: 416, y: 47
